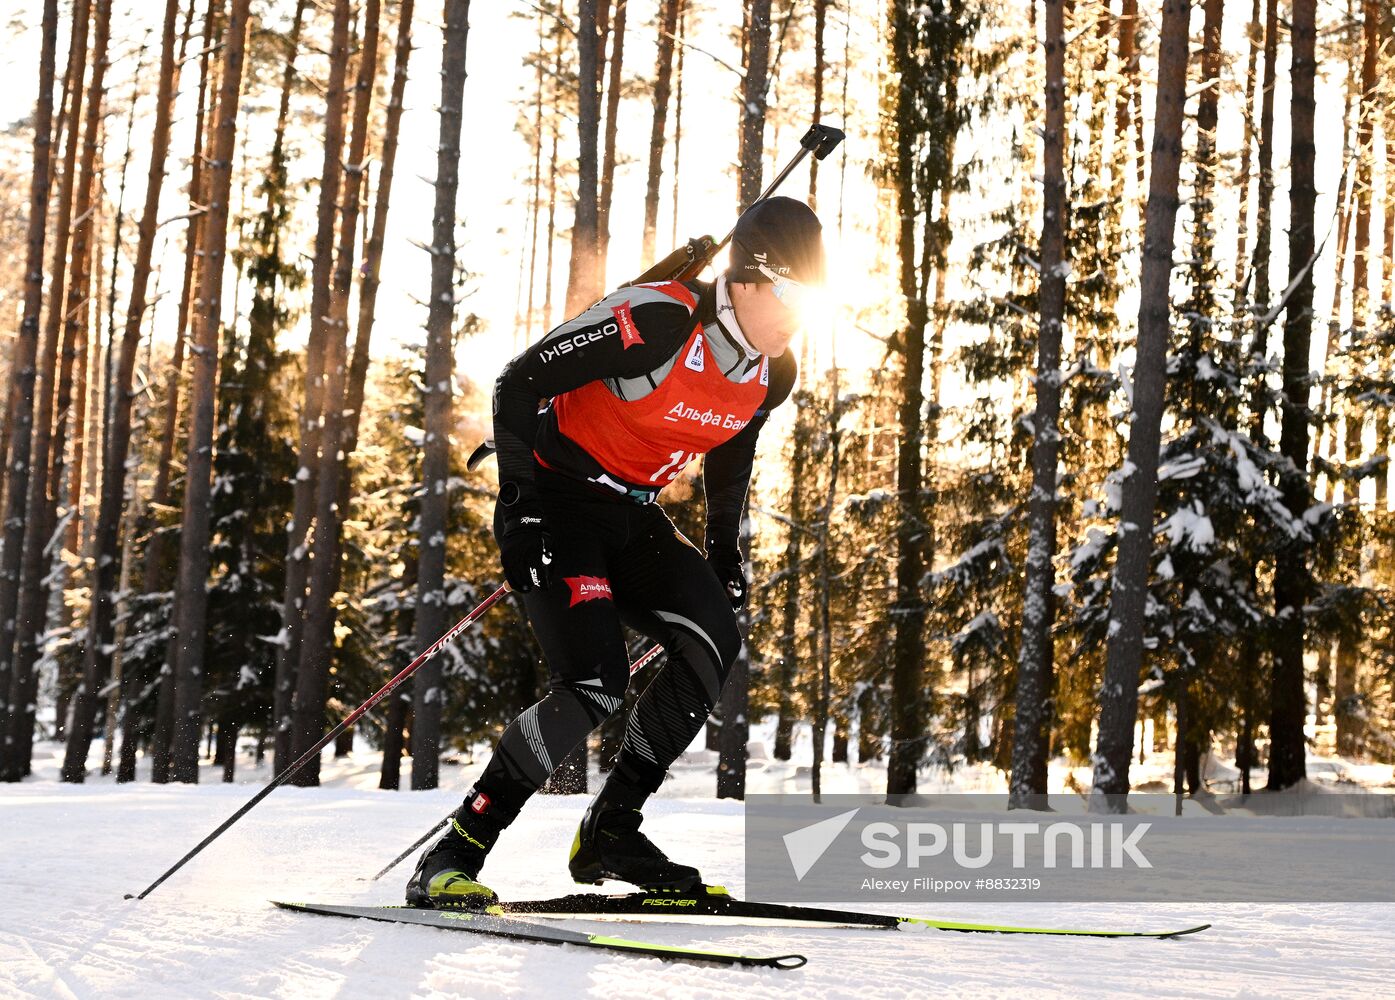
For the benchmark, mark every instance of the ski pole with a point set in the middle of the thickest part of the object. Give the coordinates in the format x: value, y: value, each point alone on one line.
x: 440, y: 824
x: 635, y: 668
x: 820, y: 140
x: 314, y: 752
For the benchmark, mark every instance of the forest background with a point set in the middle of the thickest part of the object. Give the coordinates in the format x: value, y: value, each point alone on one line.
x: 1088, y: 460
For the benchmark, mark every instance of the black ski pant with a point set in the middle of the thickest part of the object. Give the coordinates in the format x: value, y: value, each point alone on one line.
x: 615, y: 563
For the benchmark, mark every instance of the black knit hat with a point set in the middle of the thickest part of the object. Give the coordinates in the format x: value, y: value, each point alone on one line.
x: 784, y: 235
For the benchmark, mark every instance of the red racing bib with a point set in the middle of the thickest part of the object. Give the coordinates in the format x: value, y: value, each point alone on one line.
x: 647, y: 442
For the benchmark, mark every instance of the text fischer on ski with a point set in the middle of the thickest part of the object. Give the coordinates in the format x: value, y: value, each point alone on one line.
x: 636, y: 387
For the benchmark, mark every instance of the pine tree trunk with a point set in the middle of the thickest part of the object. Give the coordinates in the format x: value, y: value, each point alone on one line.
x: 87, y: 347
x: 303, y: 495
x: 602, y: 39
x: 1242, y: 183
x: 908, y: 609
x: 753, y: 98
x: 221, y: 744
x: 399, y: 704
x: 551, y: 201
x: 47, y: 448
x: 1207, y: 115
x: 19, y: 420
x: 431, y: 546
x: 1365, y: 170
x: 535, y: 200
x: 372, y: 266
x: 1348, y: 643
x: 678, y: 118
x: 344, y: 743
x: 107, y: 565
x: 1324, y: 439
x: 157, y: 570
x: 127, y: 683
x: 840, y: 738
x: 612, y: 109
x: 317, y: 646
x: 1322, y: 698
x: 788, y: 670
x: 157, y: 549
x: 825, y: 681
x: 1129, y: 88
x: 1361, y: 249
x: 1292, y: 584
x: 120, y: 711
x: 1124, y: 652
x: 668, y: 24
x: 1345, y: 709
x: 67, y: 490
x: 373, y: 249
x: 75, y: 65
x: 194, y: 529
x: 1180, y: 740
x: 1035, y: 666
x: 228, y: 733
x: 869, y: 743
x: 1259, y: 346
x: 820, y: 23
x: 584, y: 275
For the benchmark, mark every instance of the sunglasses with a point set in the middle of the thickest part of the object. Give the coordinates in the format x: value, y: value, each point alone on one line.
x: 787, y: 290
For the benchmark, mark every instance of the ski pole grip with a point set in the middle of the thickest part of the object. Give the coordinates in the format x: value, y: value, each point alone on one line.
x: 482, y: 451
x: 821, y: 139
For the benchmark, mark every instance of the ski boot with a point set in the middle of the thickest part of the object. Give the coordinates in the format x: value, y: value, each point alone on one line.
x: 446, y: 876
x: 609, y: 845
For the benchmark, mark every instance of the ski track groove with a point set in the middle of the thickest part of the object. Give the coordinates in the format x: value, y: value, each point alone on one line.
x: 44, y: 971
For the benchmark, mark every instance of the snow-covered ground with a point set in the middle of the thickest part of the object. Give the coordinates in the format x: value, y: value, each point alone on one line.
x: 68, y: 854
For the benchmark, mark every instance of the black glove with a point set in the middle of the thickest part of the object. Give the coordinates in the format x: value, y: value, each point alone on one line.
x: 725, y: 561
x: 525, y: 547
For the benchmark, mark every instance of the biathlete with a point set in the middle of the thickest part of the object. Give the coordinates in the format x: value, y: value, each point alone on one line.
x: 636, y: 387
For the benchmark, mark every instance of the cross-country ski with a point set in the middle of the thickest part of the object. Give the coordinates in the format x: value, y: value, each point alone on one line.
x: 490, y: 925
x: 714, y: 903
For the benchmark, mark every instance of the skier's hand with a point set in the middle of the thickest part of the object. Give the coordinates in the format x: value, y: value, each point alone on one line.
x: 726, y: 563
x: 525, y: 547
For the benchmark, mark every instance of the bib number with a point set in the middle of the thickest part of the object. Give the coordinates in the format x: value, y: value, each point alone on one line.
x: 673, y: 466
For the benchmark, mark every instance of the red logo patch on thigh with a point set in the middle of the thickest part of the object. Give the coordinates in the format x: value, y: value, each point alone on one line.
x: 588, y: 588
